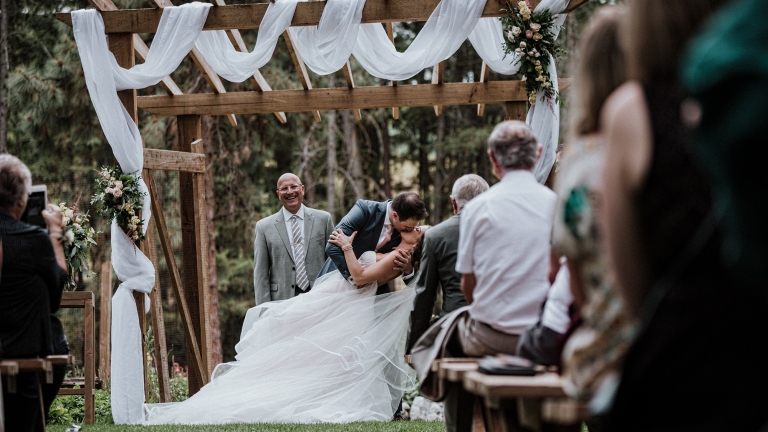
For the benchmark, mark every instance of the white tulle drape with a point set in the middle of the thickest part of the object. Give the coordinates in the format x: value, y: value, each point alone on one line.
x: 325, y: 49
x: 177, y: 32
x: 543, y: 117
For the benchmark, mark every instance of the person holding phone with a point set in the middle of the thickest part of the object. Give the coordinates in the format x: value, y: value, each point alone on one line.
x: 31, y: 285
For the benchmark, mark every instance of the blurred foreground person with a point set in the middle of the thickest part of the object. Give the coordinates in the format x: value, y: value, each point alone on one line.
x: 728, y: 76
x: 595, y: 351
x: 662, y: 241
x: 33, y: 275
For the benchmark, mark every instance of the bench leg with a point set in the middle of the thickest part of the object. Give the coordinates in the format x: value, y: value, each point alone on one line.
x: 89, y: 362
x: 40, y: 423
x: 2, y: 406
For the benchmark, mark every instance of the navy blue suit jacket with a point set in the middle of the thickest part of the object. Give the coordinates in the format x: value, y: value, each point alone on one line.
x: 367, y: 218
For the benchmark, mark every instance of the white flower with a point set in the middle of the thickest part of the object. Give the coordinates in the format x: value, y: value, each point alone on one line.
x: 535, y: 27
x: 516, y: 30
x: 65, y: 220
x: 510, y: 36
x: 70, y: 236
x: 522, y: 44
x: 524, y: 78
x: 118, y: 184
x: 518, y: 51
x: 90, y: 233
x: 538, y: 55
x: 69, y: 213
x: 78, y: 226
x: 531, y: 53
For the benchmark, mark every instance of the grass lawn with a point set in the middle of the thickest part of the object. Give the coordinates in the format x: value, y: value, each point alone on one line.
x: 396, y: 426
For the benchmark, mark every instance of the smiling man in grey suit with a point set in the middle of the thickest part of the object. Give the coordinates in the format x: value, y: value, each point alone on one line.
x: 289, y: 247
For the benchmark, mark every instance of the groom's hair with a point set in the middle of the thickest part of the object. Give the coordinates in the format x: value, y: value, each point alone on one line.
x: 409, y: 205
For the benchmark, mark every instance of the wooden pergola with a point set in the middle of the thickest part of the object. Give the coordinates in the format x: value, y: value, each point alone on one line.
x: 123, y: 27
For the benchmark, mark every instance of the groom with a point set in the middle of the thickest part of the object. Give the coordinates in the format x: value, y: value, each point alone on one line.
x: 378, y: 226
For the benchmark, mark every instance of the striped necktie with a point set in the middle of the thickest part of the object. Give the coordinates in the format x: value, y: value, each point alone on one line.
x: 302, y: 282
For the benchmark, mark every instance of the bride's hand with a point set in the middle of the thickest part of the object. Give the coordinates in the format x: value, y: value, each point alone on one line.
x: 340, y: 239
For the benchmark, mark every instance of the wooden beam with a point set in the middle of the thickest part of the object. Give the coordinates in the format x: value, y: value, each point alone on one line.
x: 391, y: 33
x: 368, y: 97
x: 257, y: 79
x: 178, y: 291
x: 437, y: 79
x: 351, y: 84
x: 300, y: 68
x: 517, y: 110
x: 208, y: 73
x: 485, y: 70
x: 168, y: 160
x: 105, y: 319
x: 249, y: 16
x: 158, y: 320
x: 194, y: 237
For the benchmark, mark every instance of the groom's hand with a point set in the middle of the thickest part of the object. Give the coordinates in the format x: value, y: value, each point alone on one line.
x: 403, y: 261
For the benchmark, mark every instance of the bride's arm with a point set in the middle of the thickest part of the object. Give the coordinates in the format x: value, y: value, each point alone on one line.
x: 380, y: 271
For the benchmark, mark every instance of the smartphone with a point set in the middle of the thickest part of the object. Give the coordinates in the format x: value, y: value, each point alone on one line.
x: 37, y: 202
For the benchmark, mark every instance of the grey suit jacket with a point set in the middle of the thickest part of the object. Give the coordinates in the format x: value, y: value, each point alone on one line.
x: 438, y: 268
x: 274, y: 270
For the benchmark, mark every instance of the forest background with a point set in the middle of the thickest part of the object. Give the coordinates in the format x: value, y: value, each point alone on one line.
x: 47, y: 120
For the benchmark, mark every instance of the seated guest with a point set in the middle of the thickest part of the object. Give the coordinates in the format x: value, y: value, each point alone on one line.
x: 503, y: 257
x: 33, y: 275
x: 595, y: 351
x: 543, y: 342
x: 438, y: 261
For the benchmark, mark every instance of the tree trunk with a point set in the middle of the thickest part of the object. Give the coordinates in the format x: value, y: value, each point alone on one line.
x: 437, y: 213
x: 385, y: 158
x: 307, y: 178
x: 213, y: 279
x: 3, y: 75
x: 330, y: 189
x: 424, y: 163
x: 354, y: 165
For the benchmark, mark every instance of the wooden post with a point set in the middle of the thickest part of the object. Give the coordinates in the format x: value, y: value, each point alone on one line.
x: 158, y: 324
x: 517, y: 110
x: 195, y: 245
x: 89, y: 363
x: 121, y: 45
x: 105, y: 320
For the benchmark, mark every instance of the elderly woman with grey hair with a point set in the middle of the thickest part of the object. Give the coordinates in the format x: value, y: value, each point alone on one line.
x: 33, y: 274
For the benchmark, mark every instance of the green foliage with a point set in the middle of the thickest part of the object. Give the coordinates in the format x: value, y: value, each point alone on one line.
x: 531, y: 36
x: 118, y: 197
x: 67, y: 410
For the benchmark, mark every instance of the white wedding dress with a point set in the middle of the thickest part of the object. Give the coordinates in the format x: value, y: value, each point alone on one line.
x: 332, y: 355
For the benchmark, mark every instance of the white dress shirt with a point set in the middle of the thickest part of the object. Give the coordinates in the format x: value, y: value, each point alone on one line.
x: 289, y: 226
x: 505, y: 242
x: 386, y: 226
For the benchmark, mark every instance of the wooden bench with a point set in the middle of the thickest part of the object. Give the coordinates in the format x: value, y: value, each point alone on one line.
x: 512, y: 400
x: 84, y: 300
x: 44, y: 367
x: 8, y: 372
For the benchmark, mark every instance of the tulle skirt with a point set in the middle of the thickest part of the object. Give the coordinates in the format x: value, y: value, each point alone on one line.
x: 332, y: 355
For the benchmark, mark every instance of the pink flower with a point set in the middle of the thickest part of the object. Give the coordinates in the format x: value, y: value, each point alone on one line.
x: 117, y: 193
x: 109, y: 190
x: 535, y: 26
x: 528, y: 34
x: 537, y: 36
x: 118, y: 184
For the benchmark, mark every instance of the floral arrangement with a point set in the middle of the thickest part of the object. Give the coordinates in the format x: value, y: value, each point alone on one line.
x: 118, y: 197
x: 77, y: 238
x: 529, y: 35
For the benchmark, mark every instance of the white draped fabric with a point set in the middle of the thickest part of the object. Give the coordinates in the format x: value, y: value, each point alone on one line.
x: 325, y: 49
x: 544, y: 117
x: 176, y: 33
x: 332, y: 355
x: 236, y: 66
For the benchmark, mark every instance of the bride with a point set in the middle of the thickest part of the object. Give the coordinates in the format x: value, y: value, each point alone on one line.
x: 332, y: 355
